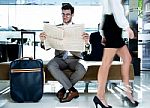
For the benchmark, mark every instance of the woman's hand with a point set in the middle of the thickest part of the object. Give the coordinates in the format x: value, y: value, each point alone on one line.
x: 130, y: 33
x: 43, y: 36
x: 86, y: 37
x: 103, y: 41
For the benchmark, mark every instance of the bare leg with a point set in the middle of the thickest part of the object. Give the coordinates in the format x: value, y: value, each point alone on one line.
x: 103, y: 72
x: 126, y: 57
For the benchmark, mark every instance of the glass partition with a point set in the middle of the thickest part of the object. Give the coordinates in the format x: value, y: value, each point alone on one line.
x: 146, y: 16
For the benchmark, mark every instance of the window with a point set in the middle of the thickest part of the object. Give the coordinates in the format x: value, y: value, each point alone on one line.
x: 31, y: 17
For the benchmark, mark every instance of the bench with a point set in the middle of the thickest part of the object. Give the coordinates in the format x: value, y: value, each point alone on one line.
x: 91, y: 74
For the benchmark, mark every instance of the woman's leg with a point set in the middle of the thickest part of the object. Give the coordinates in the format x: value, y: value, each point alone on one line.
x: 126, y: 57
x: 124, y: 53
x: 103, y: 72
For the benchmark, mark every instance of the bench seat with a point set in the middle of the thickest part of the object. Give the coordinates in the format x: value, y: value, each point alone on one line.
x: 92, y: 70
x: 91, y: 74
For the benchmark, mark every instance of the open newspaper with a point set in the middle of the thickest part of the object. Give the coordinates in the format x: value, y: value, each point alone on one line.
x: 64, y: 37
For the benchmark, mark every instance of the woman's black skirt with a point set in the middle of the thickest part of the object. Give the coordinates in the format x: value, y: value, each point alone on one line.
x: 112, y: 33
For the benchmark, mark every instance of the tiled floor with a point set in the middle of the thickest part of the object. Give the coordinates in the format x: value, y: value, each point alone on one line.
x: 49, y: 100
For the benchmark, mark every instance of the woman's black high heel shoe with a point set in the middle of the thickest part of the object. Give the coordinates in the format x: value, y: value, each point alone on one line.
x: 129, y: 102
x: 97, y: 101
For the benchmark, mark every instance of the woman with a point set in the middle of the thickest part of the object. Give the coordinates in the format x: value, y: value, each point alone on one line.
x: 114, y: 22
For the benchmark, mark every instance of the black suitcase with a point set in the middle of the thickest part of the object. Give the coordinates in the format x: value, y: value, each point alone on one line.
x: 26, y: 78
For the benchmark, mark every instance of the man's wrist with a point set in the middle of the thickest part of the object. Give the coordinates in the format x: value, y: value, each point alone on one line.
x: 87, y: 45
x: 42, y: 45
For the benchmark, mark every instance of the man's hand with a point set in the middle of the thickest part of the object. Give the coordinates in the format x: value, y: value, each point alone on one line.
x: 43, y: 36
x: 86, y: 37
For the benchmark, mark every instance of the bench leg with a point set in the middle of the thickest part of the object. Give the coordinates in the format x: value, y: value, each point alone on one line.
x: 110, y: 85
x: 5, y: 90
x: 86, y: 86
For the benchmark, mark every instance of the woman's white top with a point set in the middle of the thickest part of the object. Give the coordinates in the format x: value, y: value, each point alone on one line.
x: 116, y: 8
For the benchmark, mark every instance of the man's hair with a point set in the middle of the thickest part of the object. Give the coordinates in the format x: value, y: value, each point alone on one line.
x: 68, y: 6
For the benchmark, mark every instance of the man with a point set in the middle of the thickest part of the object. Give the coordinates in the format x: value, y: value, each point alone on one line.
x: 58, y: 64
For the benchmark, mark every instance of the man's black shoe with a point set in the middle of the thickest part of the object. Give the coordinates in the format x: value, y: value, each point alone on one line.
x: 60, y: 94
x: 70, y: 95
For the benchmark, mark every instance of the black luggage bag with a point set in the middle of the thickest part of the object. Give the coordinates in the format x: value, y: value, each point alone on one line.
x: 26, y: 79
x: 96, y: 48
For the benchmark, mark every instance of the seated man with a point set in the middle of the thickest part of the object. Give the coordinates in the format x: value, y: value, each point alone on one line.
x: 61, y: 62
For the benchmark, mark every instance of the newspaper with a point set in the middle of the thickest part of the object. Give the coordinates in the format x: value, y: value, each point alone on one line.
x: 64, y: 37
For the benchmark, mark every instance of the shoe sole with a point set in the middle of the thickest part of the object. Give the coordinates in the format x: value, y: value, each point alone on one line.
x: 68, y: 101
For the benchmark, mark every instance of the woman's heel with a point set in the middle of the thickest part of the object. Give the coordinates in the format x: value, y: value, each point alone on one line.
x: 131, y: 102
x: 98, y: 102
x: 96, y: 105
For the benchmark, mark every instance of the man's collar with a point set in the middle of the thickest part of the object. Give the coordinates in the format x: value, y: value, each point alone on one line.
x: 65, y: 24
x: 68, y: 23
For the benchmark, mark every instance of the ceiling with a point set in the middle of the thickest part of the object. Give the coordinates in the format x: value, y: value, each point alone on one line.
x: 51, y: 2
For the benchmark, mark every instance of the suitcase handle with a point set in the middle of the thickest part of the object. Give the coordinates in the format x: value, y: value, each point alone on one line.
x: 27, y: 32
x: 22, y: 58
